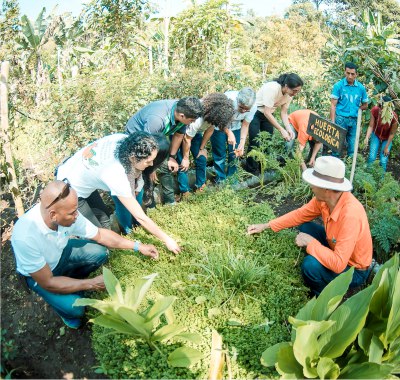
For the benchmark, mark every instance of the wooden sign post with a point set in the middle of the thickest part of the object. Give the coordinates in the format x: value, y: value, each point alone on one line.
x: 326, y: 132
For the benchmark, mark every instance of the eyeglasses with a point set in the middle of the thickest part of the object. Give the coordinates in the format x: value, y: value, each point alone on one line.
x: 63, y: 194
x: 243, y: 108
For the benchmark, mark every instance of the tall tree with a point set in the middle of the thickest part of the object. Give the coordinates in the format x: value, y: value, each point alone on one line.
x: 114, y: 23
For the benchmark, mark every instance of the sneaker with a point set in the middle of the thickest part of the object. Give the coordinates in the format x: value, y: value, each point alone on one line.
x: 183, y: 196
x: 72, y: 323
x: 201, y: 188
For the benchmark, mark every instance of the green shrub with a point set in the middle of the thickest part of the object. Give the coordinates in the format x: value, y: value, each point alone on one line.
x: 359, y: 338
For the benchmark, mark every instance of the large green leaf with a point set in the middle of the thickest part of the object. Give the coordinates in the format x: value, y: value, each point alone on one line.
x: 375, y: 350
x: 166, y: 332
x: 364, y: 339
x: 184, y: 357
x: 115, y: 324
x: 270, y: 356
x: 321, y: 308
x: 113, y: 286
x: 190, y: 337
x: 159, y: 307
x: 350, y: 319
x: 327, y: 369
x: 331, y: 296
x: 366, y: 371
x: 29, y: 33
x: 106, y: 307
x: 287, y: 364
x: 140, y: 289
x: 306, y: 348
x: 40, y: 24
x: 380, y: 305
x: 137, y: 322
x: 393, y: 325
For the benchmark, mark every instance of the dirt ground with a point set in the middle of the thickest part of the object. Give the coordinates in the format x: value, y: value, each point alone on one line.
x: 35, y: 342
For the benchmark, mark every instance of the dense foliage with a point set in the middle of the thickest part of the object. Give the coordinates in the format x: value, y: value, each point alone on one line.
x: 356, y: 339
x: 204, y: 279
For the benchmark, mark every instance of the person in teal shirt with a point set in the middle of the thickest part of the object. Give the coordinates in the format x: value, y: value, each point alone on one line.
x: 348, y: 95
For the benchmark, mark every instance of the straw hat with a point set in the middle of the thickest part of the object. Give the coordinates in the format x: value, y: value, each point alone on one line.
x: 328, y: 173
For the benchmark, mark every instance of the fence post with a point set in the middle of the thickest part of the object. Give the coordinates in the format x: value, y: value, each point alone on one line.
x: 12, y: 178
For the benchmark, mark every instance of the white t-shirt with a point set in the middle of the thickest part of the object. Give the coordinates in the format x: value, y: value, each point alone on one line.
x: 36, y: 245
x: 199, y: 125
x: 270, y: 95
x: 95, y: 167
x: 238, y: 117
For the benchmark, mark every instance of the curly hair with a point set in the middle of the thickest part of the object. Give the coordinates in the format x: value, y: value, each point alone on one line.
x: 139, y: 145
x: 190, y: 106
x: 218, y: 110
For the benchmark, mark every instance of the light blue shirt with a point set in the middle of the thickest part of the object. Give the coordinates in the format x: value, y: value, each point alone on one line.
x: 349, y: 97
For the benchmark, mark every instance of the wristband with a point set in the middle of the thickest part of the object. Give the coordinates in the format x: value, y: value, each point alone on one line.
x: 173, y: 156
x: 136, y: 245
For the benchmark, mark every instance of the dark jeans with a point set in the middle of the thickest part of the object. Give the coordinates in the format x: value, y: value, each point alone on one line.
x: 219, y: 143
x: 259, y: 124
x: 315, y: 275
x: 201, y: 165
x: 79, y: 258
x: 94, y: 209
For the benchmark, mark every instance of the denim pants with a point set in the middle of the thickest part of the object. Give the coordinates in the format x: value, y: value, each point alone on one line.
x: 219, y: 141
x: 374, y: 144
x: 201, y: 164
x: 94, y: 209
x: 167, y: 183
x: 125, y: 219
x: 79, y: 258
x: 350, y: 124
x: 259, y: 124
x: 315, y: 275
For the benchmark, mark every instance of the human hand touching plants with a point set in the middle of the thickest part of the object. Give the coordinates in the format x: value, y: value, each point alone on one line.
x: 148, y: 250
x: 257, y: 228
x: 172, y: 245
x: 303, y: 239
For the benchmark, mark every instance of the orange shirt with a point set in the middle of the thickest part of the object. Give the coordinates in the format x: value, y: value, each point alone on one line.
x: 347, y: 232
x: 299, y: 120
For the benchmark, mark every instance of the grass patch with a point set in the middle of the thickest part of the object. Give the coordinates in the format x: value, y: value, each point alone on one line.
x: 243, y: 286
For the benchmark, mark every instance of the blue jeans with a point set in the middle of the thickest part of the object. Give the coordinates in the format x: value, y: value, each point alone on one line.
x: 219, y: 141
x: 350, y: 124
x: 374, y: 144
x: 201, y: 164
x: 125, y: 218
x: 315, y: 275
x: 79, y: 258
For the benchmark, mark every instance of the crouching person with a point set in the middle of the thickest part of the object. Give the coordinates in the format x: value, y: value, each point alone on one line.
x: 343, y: 241
x: 56, y: 248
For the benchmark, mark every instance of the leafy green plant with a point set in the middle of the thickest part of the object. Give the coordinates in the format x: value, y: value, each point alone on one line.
x: 121, y: 314
x: 236, y: 273
x: 356, y: 339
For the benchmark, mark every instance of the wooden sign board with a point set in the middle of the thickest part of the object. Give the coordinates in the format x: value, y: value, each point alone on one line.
x: 326, y: 132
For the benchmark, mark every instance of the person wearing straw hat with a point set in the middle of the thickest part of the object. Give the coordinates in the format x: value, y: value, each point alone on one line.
x: 343, y: 241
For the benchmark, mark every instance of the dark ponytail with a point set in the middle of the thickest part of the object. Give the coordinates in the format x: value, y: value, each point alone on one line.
x: 291, y: 80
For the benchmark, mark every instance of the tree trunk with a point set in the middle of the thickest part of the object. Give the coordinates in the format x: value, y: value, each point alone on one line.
x: 12, y: 178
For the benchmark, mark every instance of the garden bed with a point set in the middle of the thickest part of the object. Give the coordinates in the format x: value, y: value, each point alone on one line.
x: 218, y: 259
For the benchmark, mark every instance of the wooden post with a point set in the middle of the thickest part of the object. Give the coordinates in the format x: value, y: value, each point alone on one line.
x: 216, y: 371
x: 358, y: 131
x: 13, y: 184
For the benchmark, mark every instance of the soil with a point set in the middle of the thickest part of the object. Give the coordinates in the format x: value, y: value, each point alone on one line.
x: 35, y: 342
